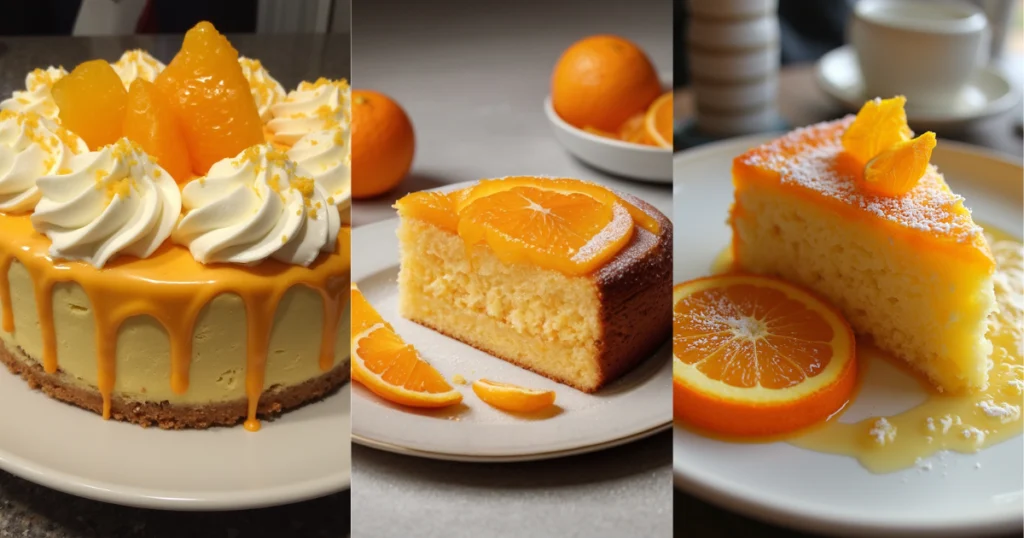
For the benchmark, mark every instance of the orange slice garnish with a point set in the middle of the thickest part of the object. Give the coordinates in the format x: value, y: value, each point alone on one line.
x: 488, y: 187
x: 658, y: 121
x: 390, y: 368
x: 879, y: 125
x: 757, y: 356
x: 435, y: 207
x: 514, y: 398
x: 572, y: 233
x: 896, y: 170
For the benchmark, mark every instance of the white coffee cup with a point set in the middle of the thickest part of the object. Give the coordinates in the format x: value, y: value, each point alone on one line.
x: 925, y: 50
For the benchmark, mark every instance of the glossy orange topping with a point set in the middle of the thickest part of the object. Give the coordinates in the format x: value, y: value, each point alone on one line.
x: 172, y: 288
x: 810, y: 162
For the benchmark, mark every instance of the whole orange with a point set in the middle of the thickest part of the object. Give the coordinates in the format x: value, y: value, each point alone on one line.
x: 600, y: 81
x: 383, y: 143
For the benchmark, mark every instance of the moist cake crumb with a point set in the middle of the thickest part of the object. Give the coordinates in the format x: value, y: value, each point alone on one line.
x: 458, y: 379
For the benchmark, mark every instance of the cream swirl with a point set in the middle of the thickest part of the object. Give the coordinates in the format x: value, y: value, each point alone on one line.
x: 314, y: 106
x: 31, y: 147
x: 324, y: 156
x: 135, y: 64
x: 36, y: 97
x: 256, y: 206
x: 112, y: 201
x: 266, y: 91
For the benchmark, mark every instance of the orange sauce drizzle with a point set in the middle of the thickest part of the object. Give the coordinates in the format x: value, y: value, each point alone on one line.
x: 171, y: 287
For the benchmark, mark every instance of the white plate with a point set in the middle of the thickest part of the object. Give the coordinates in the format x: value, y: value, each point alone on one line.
x: 987, y: 94
x: 636, y: 161
x: 303, y: 454
x: 632, y: 407
x: 834, y: 494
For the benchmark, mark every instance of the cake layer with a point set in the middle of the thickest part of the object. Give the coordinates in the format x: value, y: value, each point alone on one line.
x: 152, y: 412
x: 922, y: 305
x: 581, y: 331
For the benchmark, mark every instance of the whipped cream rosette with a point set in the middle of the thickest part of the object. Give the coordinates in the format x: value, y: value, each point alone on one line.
x: 31, y: 147
x: 112, y: 201
x: 266, y: 91
x: 257, y: 206
x: 326, y: 157
x: 135, y: 64
x: 36, y: 97
x: 314, y: 106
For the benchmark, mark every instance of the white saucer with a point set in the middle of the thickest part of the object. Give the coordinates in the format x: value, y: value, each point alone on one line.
x: 988, y: 93
x: 630, y: 408
x: 301, y: 455
x: 956, y: 494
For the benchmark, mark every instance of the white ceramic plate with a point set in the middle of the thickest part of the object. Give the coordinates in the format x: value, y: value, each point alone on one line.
x: 632, y: 407
x: 987, y: 94
x: 636, y: 161
x: 834, y: 494
x: 301, y: 455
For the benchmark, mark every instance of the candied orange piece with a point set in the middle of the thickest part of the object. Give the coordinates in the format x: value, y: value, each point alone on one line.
x: 880, y: 124
x: 210, y: 96
x: 151, y: 123
x: 92, y: 102
x: 896, y: 170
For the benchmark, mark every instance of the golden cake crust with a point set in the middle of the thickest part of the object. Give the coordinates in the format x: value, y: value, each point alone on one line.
x: 163, y: 414
x: 635, y: 290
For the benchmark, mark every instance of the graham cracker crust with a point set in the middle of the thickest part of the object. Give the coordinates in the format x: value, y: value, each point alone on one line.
x: 164, y: 414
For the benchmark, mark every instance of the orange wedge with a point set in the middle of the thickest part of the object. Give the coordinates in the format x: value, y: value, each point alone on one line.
x: 896, y: 170
x: 151, y: 123
x: 879, y: 125
x: 390, y: 368
x: 658, y: 121
x: 757, y: 356
x: 633, y: 130
x: 513, y: 398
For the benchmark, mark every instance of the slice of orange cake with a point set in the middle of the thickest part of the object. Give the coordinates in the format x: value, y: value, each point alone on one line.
x: 560, y: 276
x: 906, y: 264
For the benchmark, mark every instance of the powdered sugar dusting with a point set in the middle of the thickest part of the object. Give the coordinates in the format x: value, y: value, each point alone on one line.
x: 616, y: 228
x: 807, y: 157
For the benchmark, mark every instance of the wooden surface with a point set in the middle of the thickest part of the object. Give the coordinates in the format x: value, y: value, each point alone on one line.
x: 32, y: 511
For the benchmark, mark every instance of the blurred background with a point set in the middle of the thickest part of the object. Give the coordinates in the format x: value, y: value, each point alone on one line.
x: 802, y: 39
x: 120, y: 17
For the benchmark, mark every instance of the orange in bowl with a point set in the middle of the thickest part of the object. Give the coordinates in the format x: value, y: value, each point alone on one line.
x: 756, y: 356
x: 601, y: 81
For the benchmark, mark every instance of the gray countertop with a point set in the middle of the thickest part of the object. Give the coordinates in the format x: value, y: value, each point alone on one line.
x: 31, y: 511
x: 473, y: 76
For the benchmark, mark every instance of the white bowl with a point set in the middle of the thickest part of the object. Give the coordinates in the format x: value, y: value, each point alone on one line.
x: 626, y: 159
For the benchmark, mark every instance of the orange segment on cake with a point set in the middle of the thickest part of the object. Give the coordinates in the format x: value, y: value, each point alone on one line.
x: 906, y: 264
x: 556, y: 276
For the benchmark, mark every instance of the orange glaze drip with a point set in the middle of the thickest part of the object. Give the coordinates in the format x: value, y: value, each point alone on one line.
x: 171, y: 287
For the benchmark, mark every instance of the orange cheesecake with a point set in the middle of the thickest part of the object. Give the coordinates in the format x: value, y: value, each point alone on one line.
x: 909, y: 269
x: 213, y: 296
x: 562, y: 277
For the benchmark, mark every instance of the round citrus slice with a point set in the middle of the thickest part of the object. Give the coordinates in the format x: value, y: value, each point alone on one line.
x: 487, y: 187
x: 658, y: 121
x: 390, y: 368
x: 880, y: 124
x: 896, y: 170
x: 513, y: 398
x: 756, y: 356
x: 571, y: 233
